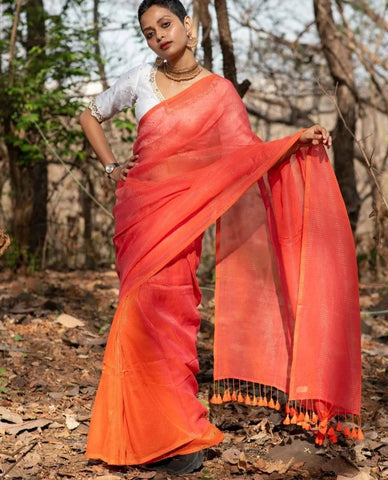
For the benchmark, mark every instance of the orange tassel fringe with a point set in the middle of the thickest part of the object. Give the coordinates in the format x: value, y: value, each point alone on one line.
x: 297, y: 413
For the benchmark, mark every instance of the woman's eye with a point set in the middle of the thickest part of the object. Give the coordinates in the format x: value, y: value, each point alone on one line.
x: 149, y: 35
x: 166, y: 24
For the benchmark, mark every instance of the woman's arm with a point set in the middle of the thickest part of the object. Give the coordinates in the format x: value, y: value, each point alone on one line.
x: 99, y: 143
x: 97, y: 138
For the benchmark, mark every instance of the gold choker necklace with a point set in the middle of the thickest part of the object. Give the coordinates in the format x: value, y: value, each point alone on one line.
x: 181, y: 75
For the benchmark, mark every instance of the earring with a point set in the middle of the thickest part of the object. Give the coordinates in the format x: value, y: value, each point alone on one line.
x: 192, y: 42
x: 159, y: 61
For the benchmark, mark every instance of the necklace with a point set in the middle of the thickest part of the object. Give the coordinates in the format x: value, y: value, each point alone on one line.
x: 181, y: 75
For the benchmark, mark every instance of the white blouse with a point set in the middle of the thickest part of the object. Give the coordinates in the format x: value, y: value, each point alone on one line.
x: 135, y: 87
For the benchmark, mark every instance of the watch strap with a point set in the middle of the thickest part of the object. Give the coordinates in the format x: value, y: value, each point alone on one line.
x: 110, y: 167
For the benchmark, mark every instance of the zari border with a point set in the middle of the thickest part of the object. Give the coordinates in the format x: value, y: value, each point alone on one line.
x: 94, y: 112
x: 155, y: 88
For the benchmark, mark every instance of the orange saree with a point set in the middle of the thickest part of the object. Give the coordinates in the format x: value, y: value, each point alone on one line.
x: 286, y: 290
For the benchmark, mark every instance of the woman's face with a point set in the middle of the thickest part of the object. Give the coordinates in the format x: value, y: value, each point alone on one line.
x: 166, y: 35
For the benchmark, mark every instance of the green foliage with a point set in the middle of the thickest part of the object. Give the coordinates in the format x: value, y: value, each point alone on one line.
x: 126, y: 126
x: 43, y: 86
x: 16, y: 255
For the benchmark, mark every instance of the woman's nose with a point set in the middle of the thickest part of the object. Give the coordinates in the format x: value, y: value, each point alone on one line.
x: 159, y: 35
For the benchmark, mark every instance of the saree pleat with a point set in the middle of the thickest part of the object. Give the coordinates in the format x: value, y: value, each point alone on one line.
x: 146, y: 403
x: 285, y: 317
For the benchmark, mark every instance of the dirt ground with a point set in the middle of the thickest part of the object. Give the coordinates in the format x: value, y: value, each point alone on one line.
x: 53, y: 328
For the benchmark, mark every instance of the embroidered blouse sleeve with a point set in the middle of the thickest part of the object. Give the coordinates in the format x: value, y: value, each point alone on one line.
x: 121, y: 95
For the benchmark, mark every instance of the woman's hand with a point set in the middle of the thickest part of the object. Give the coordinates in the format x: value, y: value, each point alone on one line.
x: 316, y: 135
x: 120, y: 173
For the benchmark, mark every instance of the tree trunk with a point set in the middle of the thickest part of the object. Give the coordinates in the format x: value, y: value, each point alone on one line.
x: 97, y: 48
x: 206, y: 43
x: 28, y: 178
x: 226, y: 42
x: 340, y: 65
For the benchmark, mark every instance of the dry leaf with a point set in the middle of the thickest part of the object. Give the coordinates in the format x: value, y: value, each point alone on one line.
x: 71, y: 421
x: 140, y: 475
x: 30, y: 425
x: 360, y: 476
x: 271, y: 467
x: 145, y: 475
x: 260, y: 438
x: 69, y: 321
x: 9, y: 416
x: 5, y: 242
x: 231, y: 456
x: 242, y: 462
x: 108, y: 477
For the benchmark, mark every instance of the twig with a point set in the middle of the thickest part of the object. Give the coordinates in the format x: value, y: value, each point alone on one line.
x: 13, y: 40
x: 6, y: 472
x: 53, y: 151
x: 366, y: 313
x: 333, y: 99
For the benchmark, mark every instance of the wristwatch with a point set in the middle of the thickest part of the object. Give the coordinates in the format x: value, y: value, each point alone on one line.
x: 110, y: 167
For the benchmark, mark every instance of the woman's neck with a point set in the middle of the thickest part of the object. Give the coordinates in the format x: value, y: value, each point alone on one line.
x: 182, y: 62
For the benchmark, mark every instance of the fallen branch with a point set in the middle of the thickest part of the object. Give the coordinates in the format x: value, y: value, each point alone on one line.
x: 6, y: 472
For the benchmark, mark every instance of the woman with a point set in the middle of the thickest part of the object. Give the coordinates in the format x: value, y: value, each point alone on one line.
x: 285, y: 316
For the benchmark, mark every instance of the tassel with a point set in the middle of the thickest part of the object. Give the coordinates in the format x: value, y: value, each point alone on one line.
x: 300, y: 418
x: 322, y: 427
x: 277, y: 405
x: 248, y: 400
x: 333, y: 438
x: 287, y: 420
x: 240, y: 398
x: 213, y: 399
x: 234, y: 396
x: 347, y: 431
x: 331, y: 431
x: 314, y: 418
x: 271, y: 403
x: 254, y: 401
x: 360, y: 435
x: 294, y: 419
x: 226, y: 398
x: 339, y: 426
x: 353, y: 433
x: 307, y: 417
x: 319, y: 439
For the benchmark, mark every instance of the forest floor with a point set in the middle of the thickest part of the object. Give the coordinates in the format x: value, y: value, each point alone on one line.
x: 53, y: 328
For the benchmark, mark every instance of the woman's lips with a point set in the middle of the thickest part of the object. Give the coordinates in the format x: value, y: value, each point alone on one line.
x: 165, y: 45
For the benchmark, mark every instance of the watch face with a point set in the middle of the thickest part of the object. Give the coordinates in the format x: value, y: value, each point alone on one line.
x: 109, y: 168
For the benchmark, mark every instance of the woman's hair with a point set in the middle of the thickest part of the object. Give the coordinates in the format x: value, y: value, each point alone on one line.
x: 175, y: 7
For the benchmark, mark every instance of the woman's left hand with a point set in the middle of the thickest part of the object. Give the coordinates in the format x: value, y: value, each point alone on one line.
x: 316, y: 135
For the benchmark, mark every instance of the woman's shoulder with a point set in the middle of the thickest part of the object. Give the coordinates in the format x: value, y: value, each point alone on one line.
x: 136, y: 71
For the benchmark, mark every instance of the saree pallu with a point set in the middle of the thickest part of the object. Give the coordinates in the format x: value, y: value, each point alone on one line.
x: 287, y: 312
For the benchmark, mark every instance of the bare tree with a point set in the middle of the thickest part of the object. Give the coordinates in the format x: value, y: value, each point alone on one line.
x: 226, y: 42
x: 341, y: 68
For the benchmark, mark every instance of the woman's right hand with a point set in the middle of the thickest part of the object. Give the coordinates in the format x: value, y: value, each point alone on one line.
x: 120, y: 173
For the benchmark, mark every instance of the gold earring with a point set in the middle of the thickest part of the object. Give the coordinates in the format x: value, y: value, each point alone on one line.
x: 159, y: 61
x: 192, y: 42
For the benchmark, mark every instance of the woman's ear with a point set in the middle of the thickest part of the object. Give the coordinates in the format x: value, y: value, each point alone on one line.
x: 188, y: 25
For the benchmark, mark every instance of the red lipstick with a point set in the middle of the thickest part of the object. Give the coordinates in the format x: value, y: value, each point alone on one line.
x: 165, y: 45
